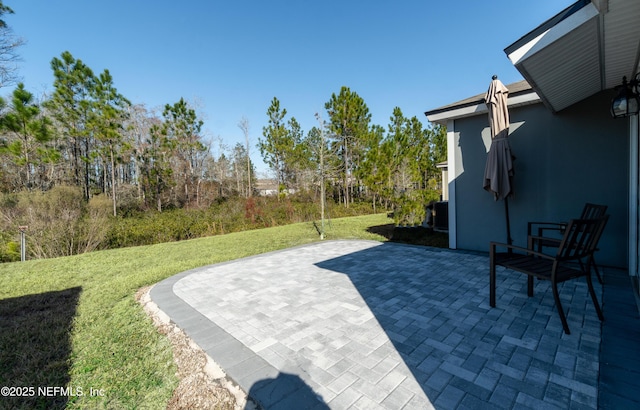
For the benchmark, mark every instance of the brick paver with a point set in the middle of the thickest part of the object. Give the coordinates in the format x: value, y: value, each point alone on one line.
x: 362, y: 324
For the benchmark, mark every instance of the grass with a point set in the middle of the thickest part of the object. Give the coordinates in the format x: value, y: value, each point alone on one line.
x: 74, y: 323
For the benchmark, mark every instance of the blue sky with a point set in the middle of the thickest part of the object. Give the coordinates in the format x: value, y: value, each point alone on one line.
x: 230, y: 58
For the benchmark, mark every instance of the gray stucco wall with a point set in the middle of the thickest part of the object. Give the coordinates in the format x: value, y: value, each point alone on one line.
x: 563, y: 160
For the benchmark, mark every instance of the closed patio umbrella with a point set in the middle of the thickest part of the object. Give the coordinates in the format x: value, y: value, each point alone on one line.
x: 498, y: 172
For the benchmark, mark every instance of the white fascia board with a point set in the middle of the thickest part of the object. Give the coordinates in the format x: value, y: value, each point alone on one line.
x: 554, y: 33
x: 454, y: 113
x: 453, y: 170
x: 477, y: 109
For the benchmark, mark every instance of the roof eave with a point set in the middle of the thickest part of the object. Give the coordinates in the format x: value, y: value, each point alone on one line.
x: 455, y: 112
x: 572, y: 35
x: 585, y: 49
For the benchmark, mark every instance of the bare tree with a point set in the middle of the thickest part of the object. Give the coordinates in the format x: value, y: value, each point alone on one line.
x: 321, y: 147
x: 244, y: 126
x: 9, y: 44
x: 140, y: 120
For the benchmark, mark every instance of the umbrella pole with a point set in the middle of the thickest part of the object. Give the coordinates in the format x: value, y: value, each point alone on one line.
x: 506, y: 211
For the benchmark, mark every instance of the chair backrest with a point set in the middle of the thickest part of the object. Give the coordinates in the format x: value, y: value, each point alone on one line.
x: 592, y: 211
x: 581, y: 238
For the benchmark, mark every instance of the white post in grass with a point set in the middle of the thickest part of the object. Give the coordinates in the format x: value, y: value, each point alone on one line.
x: 23, y: 243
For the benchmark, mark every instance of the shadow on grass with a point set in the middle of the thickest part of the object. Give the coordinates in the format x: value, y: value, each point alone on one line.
x: 382, y: 230
x: 35, y: 348
x: 417, y: 235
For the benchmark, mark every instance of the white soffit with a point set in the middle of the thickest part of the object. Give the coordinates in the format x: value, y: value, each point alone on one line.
x: 588, y: 51
x: 621, y: 41
x: 563, y: 63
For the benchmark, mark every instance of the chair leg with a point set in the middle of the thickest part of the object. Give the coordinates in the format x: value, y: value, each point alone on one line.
x: 594, y: 299
x: 492, y: 277
x: 529, y: 285
x: 563, y: 318
x: 595, y: 267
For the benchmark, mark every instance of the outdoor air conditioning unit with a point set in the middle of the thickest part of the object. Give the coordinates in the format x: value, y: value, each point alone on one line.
x: 441, y: 217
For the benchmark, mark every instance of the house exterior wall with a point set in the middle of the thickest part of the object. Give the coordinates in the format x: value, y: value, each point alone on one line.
x: 445, y: 186
x: 562, y: 161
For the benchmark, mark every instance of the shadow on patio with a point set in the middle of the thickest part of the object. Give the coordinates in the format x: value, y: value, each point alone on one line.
x: 365, y: 324
x: 433, y: 306
x: 619, y: 381
x: 287, y: 391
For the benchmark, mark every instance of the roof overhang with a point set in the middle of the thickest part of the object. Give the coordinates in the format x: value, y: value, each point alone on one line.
x: 585, y: 49
x: 520, y: 94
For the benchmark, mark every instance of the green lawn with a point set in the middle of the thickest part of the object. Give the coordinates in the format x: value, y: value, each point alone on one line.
x: 73, y: 323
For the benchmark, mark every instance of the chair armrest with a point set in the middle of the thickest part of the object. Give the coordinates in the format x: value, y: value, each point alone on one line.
x: 545, y: 225
x: 533, y: 239
x: 559, y: 229
x: 526, y: 251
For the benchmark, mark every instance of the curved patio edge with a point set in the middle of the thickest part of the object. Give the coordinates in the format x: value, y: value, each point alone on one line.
x: 241, y: 365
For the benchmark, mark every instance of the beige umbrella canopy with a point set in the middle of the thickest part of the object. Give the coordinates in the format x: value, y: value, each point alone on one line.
x: 498, y: 172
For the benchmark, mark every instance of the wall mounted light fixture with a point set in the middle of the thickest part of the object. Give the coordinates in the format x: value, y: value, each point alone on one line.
x: 627, y: 101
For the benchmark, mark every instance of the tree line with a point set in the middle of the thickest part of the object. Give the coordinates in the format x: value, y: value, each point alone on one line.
x: 86, y: 134
x: 72, y: 159
x: 393, y: 167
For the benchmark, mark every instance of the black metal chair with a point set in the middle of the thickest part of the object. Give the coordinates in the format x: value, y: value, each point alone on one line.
x: 572, y: 260
x: 550, y: 233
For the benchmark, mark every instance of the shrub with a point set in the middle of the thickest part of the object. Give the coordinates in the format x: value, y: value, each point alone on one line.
x: 60, y: 222
x: 410, y: 207
x: 9, y: 249
x: 225, y: 215
x: 96, y: 223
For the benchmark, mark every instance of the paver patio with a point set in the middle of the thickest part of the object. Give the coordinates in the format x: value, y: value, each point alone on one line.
x: 365, y: 325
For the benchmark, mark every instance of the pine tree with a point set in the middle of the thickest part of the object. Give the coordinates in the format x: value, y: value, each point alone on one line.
x: 181, y: 130
x: 276, y: 141
x: 349, y: 119
x: 107, y: 123
x: 31, y: 134
x: 71, y: 106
